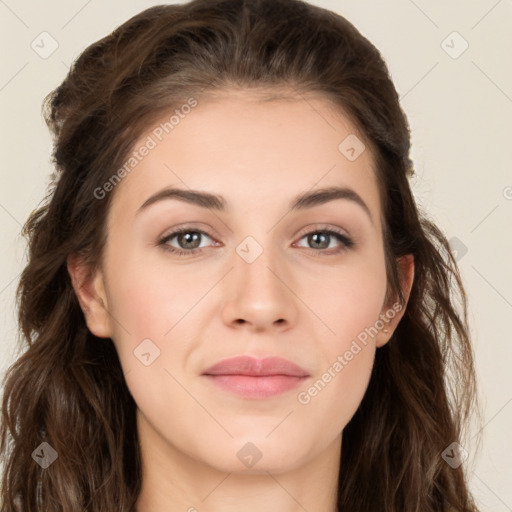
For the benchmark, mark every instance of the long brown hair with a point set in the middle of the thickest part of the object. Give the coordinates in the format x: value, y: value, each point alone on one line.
x: 68, y: 388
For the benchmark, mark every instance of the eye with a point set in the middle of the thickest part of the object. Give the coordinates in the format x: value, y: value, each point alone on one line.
x: 188, y: 241
x: 320, y: 240
x: 186, y: 238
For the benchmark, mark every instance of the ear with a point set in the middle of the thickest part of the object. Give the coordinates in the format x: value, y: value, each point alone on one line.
x: 90, y: 291
x: 392, y: 313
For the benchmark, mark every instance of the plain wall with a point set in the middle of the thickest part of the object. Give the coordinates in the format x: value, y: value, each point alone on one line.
x: 459, y: 108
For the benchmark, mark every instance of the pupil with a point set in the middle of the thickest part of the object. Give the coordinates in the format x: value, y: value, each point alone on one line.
x: 315, y: 239
x: 190, y: 238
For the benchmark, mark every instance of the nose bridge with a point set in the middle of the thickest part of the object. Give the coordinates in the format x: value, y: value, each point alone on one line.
x: 257, y: 293
x: 257, y: 264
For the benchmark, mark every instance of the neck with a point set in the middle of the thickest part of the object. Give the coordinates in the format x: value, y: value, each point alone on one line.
x: 173, y: 481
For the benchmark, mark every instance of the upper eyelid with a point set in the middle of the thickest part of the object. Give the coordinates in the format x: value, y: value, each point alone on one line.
x: 303, y: 232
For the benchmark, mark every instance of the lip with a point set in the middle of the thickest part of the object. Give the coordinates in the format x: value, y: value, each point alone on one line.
x: 249, y: 377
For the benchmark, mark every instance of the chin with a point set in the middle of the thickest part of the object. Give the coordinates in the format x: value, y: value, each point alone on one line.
x: 256, y: 455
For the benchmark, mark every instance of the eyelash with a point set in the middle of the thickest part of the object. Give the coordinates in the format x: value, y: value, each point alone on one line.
x: 346, y: 242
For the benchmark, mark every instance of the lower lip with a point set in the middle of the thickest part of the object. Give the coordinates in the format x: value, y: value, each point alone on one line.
x: 256, y: 387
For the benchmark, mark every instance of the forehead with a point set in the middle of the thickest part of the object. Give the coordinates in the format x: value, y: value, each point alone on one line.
x: 254, y: 149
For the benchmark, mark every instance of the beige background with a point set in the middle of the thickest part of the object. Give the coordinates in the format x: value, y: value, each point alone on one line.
x: 460, y: 111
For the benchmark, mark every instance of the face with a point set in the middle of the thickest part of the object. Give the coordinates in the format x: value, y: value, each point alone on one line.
x: 255, y: 272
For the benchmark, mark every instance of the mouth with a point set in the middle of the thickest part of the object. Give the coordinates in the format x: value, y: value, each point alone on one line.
x: 248, y: 377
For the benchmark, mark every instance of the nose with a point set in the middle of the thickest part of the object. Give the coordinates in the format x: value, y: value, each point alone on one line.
x: 259, y: 294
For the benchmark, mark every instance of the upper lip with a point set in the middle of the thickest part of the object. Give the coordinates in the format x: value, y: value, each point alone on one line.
x: 245, y: 365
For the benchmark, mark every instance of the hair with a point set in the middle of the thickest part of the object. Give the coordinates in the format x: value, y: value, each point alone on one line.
x: 68, y: 388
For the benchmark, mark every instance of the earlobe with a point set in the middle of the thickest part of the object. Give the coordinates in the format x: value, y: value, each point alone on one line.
x: 90, y: 291
x: 395, y: 311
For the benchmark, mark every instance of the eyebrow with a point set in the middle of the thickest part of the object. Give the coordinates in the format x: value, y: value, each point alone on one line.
x: 218, y: 203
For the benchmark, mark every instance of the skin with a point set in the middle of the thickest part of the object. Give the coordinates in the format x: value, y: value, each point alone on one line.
x: 203, y: 308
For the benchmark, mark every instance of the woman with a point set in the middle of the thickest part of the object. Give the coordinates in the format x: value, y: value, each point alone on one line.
x: 231, y: 298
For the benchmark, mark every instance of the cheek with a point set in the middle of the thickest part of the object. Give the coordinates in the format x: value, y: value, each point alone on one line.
x: 335, y: 395
x: 148, y: 300
x: 350, y: 307
x: 351, y: 311
x: 347, y: 299
x: 153, y: 314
